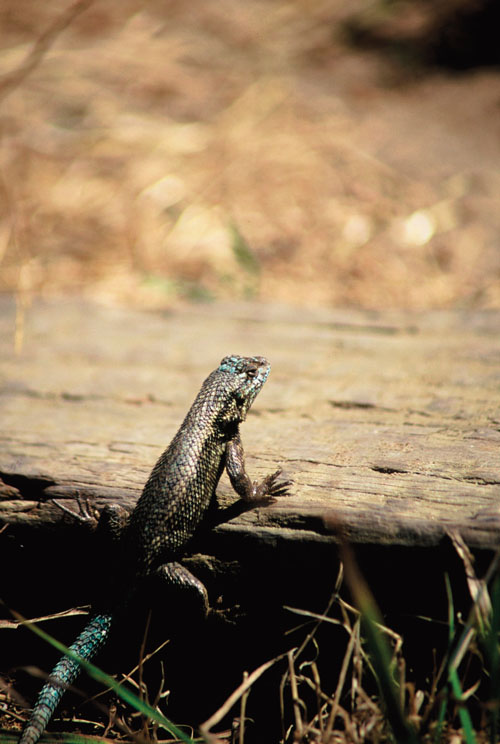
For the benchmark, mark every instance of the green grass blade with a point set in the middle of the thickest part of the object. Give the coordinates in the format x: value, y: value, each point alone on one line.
x: 492, y: 659
x: 451, y: 610
x: 453, y: 679
x: 242, y: 252
x: 440, y: 721
x: 465, y: 720
x: 122, y: 692
x: 379, y: 651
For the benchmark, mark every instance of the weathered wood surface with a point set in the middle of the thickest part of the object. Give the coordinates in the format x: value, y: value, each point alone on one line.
x: 388, y: 423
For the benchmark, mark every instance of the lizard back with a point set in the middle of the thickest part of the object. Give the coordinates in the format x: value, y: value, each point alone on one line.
x: 183, y: 482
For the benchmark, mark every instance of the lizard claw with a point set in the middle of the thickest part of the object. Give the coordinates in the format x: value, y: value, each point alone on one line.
x: 271, y: 488
x: 86, y: 513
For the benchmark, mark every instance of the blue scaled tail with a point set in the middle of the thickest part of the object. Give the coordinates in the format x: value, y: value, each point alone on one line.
x: 88, y: 643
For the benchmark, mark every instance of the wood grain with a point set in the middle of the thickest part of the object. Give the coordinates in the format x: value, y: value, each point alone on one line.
x: 388, y: 423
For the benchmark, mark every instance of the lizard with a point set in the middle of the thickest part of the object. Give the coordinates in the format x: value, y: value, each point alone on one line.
x: 175, y: 503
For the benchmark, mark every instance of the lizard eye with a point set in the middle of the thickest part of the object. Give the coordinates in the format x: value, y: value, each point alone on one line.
x: 252, y: 372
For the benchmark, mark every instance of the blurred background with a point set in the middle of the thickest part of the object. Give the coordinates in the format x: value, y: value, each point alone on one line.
x: 303, y: 151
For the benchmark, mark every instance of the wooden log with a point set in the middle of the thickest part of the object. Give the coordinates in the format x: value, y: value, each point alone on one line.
x: 388, y: 423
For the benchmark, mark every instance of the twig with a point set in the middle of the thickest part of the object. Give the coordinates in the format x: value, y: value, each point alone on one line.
x: 295, y: 696
x: 13, y: 79
x: 243, y: 706
x: 235, y: 696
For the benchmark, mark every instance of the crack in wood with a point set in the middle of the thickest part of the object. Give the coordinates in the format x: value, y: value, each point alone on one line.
x: 388, y: 469
x: 479, y: 480
x: 356, y: 404
x: 70, y: 397
x: 30, y: 488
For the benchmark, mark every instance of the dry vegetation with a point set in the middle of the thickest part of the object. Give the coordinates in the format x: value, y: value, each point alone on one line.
x: 461, y: 688
x: 153, y: 151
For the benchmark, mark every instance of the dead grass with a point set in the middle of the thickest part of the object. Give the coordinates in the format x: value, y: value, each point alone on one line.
x: 145, y: 132
x: 353, y: 712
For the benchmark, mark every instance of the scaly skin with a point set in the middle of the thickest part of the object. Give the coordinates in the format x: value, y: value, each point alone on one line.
x: 173, y: 505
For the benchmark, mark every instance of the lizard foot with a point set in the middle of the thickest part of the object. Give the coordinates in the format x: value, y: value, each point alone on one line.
x: 271, y: 488
x: 87, y: 514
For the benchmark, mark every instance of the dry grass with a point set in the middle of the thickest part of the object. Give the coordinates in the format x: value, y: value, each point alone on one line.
x: 353, y: 712
x: 143, y: 132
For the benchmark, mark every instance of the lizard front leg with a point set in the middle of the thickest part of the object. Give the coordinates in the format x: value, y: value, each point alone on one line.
x: 252, y: 492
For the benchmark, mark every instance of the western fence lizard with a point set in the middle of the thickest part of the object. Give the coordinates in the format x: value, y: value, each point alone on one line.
x: 173, y: 506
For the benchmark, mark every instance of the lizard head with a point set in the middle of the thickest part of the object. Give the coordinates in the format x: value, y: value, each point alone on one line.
x: 244, y: 377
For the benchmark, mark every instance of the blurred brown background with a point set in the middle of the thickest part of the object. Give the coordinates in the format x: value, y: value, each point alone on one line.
x: 319, y: 153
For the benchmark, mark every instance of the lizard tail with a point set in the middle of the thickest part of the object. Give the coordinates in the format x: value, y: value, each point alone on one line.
x: 90, y: 640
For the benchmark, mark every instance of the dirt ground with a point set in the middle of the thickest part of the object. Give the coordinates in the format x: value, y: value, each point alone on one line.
x: 162, y: 151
